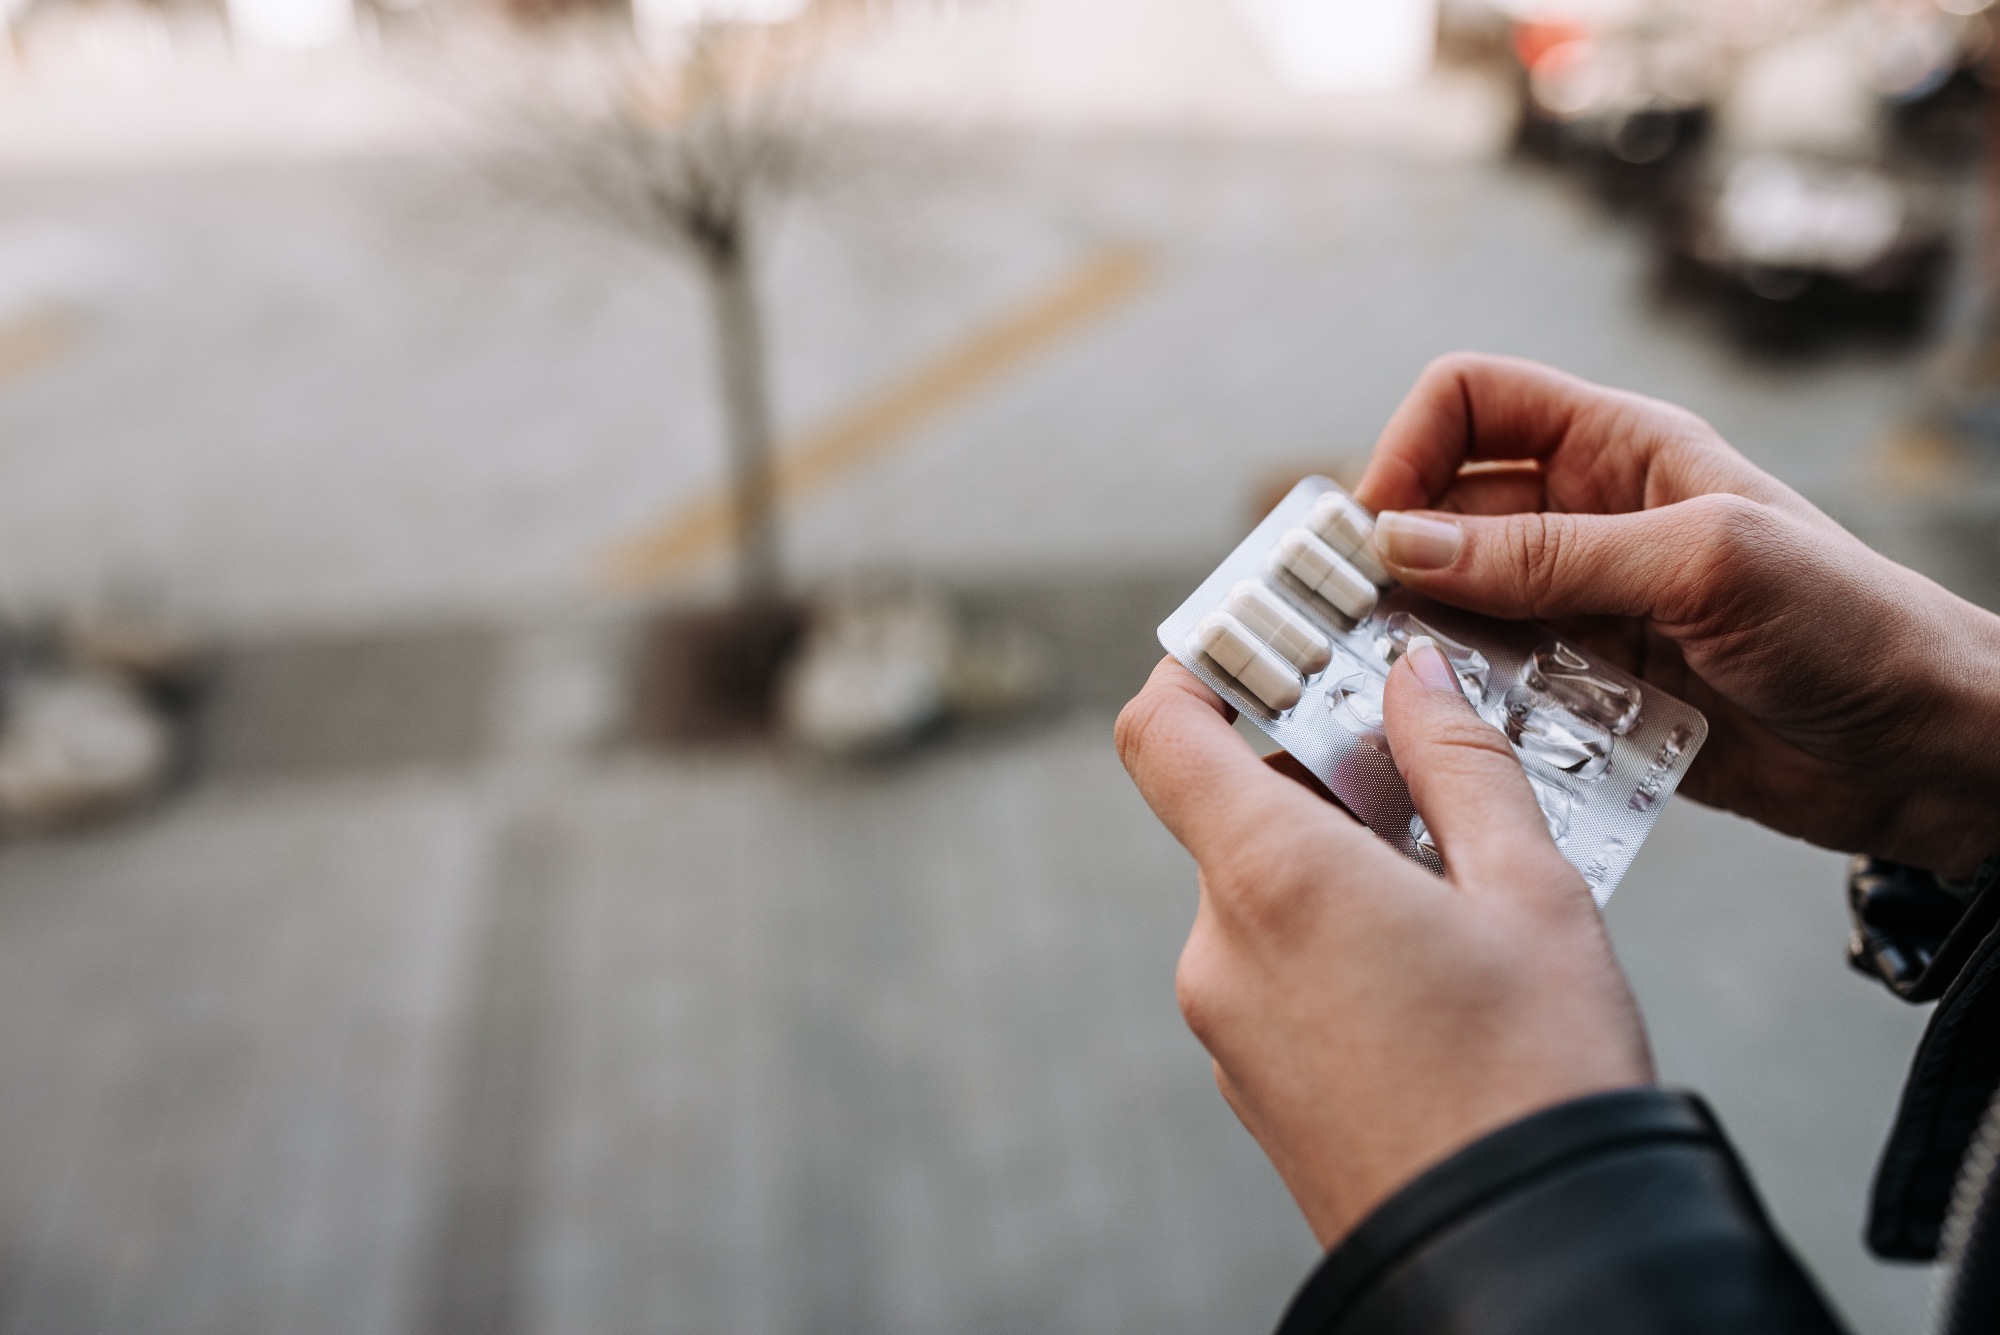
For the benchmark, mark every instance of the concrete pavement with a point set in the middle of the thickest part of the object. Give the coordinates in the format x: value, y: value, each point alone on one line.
x: 728, y: 1045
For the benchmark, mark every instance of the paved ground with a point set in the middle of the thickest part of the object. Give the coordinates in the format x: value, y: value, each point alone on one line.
x: 314, y: 394
x: 723, y: 1045
x: 422, y: 1013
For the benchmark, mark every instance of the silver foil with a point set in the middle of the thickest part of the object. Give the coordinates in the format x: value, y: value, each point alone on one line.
x: 1605, y: 810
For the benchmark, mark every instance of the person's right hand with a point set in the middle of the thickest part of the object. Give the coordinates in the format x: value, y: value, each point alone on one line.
x: 1850, y: 701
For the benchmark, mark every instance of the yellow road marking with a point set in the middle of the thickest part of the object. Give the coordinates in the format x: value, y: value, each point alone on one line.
x: 32, y: 341
x: 1921, y: 458
x: 886, y: 418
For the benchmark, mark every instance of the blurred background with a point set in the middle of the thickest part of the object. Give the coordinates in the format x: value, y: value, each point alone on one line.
x: 565, y: 570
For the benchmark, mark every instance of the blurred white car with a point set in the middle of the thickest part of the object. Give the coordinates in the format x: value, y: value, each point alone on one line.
x: 1792, y: 227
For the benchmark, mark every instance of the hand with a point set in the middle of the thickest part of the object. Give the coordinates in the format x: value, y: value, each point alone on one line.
x: 1850, y: 701
x: 1366, y: 1018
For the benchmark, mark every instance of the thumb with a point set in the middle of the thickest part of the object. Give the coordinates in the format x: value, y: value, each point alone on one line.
x: 1465, y: 780
x: 1664, y: 564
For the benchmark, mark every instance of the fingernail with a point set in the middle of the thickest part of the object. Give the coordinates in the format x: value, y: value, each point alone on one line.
x: 1428, y: 662
x: 1415, y: 542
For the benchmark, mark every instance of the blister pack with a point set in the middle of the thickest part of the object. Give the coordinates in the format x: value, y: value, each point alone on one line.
x: 1299, y: 626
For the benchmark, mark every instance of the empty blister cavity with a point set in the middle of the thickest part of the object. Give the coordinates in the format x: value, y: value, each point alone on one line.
x: 1356, y: 702
x: 1566, y: 676
x: 1326, y: 573
x: 1548, y: 731
x: 1349, y: 530
x: 1248, y: 659
x: 1475, y: 674
x: 1278, y: 626
x: 1558, y: 804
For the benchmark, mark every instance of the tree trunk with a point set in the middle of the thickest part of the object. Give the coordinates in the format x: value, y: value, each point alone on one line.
x: 746, y: 412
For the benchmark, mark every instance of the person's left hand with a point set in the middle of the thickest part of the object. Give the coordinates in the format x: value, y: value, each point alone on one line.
x: 1366, y: 1018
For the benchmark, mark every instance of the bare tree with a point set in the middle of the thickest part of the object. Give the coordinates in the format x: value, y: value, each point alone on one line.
x: 687, y: 148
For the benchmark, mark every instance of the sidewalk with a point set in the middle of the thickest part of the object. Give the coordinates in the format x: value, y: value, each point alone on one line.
x: 715, y: 1045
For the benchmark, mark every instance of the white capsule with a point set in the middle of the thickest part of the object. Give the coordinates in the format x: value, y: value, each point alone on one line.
x: 1279, y: 626
x: 1326, y: 572
x: 1248, y: 659
x: 1349, y: 530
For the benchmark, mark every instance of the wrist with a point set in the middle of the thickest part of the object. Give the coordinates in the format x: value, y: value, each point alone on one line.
x: 1948, y: 821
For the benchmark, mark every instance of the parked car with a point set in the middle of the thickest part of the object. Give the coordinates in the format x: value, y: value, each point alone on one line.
x: 1792, y: 237
x: 1640, y: 96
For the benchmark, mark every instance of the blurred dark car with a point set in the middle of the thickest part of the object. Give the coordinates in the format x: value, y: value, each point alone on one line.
x: 1931, y: 65
x: 1794, y: 237
x: 1635, y: 97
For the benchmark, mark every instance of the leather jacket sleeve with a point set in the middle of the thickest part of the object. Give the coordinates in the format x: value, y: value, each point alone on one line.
x: 1927, y: 939
x: 1622, y: 1212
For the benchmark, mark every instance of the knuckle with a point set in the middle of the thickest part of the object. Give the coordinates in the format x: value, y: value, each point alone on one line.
x: 1729, y: 524
x: 1729, y: 538
x: 1540, y: 545
x: 1463, y: 732
x: 1199, y: 988
x: 1467, y: 755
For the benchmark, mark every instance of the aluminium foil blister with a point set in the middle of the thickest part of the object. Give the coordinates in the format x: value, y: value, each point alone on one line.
x: 1602, y: 750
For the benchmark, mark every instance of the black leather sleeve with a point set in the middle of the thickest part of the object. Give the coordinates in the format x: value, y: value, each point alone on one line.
x: 1616, y: 1214
x: 1952, y: 1077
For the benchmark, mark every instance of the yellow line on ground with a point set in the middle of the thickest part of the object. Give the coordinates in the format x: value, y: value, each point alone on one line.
x: 889, y: 416
x: 1920, y: 458
x: 33, y: 340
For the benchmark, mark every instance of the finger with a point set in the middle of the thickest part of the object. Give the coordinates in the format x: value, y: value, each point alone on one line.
x: 1502, y: 489
x: 1199, y: 776
x: 1668, y: 565
x: 1471, y: 406
x: 1289, y: 765
x: 1597, y: 445
x: 1465, y: 780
